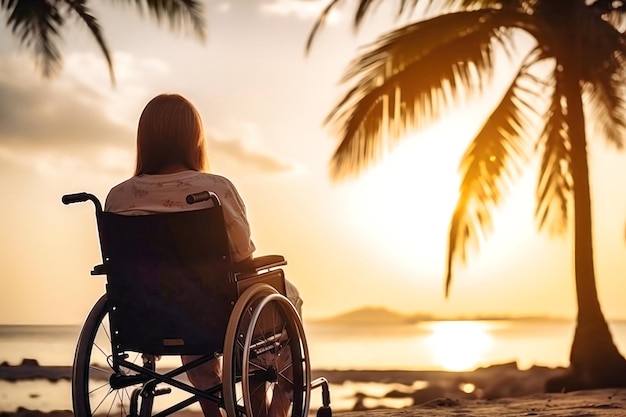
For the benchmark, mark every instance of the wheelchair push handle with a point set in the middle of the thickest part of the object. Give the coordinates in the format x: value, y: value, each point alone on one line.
x: 80, y: 198
x: 203, y: 196
x: 75, y: 198
x: 191, y: 198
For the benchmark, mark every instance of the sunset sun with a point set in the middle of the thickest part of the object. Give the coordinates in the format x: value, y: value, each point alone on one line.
x: 459, y: 345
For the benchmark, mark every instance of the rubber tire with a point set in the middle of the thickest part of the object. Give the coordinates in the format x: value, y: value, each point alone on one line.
x: 84, y: 393
x: 239, y: 336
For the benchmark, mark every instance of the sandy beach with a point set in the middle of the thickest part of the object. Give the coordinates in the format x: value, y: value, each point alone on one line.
x: 606, y: 402
x: 499, y: 390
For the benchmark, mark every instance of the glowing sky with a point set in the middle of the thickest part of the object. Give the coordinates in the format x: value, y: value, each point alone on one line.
x: 378, y: 239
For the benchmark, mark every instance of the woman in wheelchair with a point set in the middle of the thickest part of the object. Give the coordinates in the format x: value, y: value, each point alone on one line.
x: 171, y: 164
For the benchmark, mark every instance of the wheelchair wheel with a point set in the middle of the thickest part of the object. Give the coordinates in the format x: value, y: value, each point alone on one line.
x: 266, y: 362
x: 92, y: 393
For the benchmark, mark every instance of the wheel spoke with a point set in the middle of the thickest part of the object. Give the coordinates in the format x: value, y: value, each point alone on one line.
x: 101, y: 370
x: 267, y: 356
x: 99, y: 388
x: 93, y: 396
x: 258, y: 366
x: 284, y: 376
x: 102, y: 351
x: 120, y: 393
x: 105, y: 329
x: 110, y: 391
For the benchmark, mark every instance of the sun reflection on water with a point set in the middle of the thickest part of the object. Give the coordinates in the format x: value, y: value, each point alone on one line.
x: 459, y: 345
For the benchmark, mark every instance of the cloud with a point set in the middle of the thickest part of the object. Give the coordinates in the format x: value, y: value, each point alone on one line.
x: 79, y: 123
x: 75, y: 122
x: 302, y: 9
x: 242, y: 148
x: 43, y: 117
x: 78, y: 108
x: 55, y: 163
x: 247, y: 158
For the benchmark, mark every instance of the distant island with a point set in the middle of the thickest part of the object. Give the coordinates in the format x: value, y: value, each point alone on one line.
x: 377, y: 315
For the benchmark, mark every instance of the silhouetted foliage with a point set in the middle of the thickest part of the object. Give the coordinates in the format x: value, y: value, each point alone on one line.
x: 38, y: 24
x: 574, y: 75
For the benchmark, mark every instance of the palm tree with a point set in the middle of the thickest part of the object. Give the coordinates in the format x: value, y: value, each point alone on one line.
x: 410, y: 76
x: 37, y: 24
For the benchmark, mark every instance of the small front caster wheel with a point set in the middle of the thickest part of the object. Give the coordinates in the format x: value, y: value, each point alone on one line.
x: 324, y: 412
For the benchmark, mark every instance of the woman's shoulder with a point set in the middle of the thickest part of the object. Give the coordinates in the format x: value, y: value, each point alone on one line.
x: 213, y: 179
x: 122, y: 186
x: 220, y: 185
x: 186, y: 177
x: 119, y: 194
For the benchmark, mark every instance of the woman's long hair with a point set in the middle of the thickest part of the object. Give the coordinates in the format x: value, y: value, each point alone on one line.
x: 170, y: 133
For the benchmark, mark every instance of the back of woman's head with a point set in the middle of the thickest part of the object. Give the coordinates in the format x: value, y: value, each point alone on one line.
x: 170, y: 134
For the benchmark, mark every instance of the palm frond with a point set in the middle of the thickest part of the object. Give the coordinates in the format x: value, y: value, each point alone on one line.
x: 404, y: 6
x: 617, y: 20
x: 80, y: 8
x: 363, y: 8
x: 611, y: 11
x: 605, y: 78
x: 406, y: 80
x: 319, y: 22
x: 554, y: 186
x: 606, y: 108
x: 36, y: 24
x: 476, y: 4
x: 491, y: 163
x: 180, y: 14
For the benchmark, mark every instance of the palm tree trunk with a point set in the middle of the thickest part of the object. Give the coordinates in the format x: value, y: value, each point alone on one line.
x: 595, y: 361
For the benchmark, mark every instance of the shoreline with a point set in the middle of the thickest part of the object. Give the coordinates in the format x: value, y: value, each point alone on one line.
x: 30, y: 369
x: 355, y: 392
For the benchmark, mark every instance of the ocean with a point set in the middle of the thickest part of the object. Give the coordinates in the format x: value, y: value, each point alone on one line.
x: 427, y: 345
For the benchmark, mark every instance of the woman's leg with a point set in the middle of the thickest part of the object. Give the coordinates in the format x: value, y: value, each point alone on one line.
x: 203, y: 377
x: 258, y: 398
x: 281, y: 401
x: 282, y: 391
x: 282, y: 395
x: 294, y: 296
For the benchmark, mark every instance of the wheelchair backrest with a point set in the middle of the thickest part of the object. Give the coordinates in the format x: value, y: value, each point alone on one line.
x: 168, y: 281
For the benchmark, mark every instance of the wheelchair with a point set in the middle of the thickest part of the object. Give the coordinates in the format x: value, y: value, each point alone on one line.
x: 173, y: 290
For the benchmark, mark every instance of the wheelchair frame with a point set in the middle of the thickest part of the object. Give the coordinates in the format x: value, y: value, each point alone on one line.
x: 262, y: 329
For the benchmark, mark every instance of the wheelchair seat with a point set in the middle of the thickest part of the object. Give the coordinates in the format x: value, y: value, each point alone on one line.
x: 172, y: 289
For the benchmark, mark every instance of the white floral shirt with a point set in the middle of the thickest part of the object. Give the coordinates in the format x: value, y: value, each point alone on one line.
x: 149, y: 194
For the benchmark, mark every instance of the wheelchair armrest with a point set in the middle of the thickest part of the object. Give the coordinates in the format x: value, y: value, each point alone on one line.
x: 260, y: 263
x: 101, y: 269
